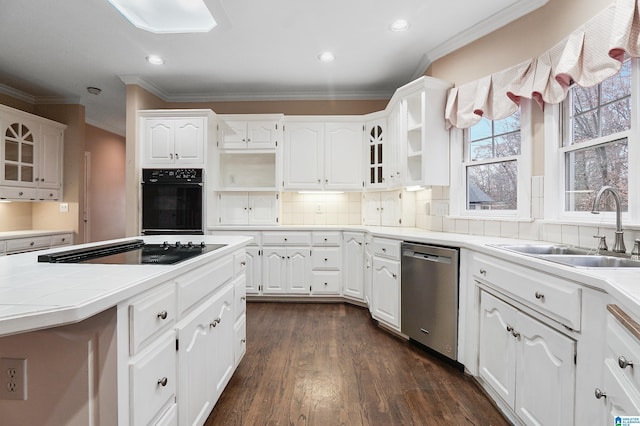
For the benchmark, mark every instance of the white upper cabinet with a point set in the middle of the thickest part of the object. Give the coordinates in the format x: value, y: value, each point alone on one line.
x: 303, y: 155
x: 323, y: 156
x: 175, y: 138
x: 250, y: 131
x: 343, y: 156
x: 388, y: 208
x: 424, y: 137
x: 242, y: 208
x: 30, y: 156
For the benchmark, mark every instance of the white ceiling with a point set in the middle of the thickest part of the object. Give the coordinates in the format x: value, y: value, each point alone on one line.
x: 51, y: 51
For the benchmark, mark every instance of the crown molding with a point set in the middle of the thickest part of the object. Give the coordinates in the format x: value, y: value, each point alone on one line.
x: 148, y: 86
x: 17, y: 94
x: 481, y: 29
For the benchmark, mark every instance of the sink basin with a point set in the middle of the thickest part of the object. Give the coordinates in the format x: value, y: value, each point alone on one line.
x: 592, y: 261
x: 543, y: 249
x: 571, y: 256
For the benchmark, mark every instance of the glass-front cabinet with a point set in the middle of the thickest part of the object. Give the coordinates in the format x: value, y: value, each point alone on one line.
x: 30, y: 156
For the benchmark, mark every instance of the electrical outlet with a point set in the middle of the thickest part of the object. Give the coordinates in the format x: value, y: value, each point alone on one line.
x: 64, y: 207
x: 13, y: 378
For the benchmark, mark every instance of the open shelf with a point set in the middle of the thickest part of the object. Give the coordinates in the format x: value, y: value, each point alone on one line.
x: 241, y: 171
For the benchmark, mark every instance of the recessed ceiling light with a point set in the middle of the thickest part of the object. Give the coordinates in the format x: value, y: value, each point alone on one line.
x: 155, y: 60
x: 167, y: 16
x: 399, y: 25
x: 94, y: 90
x: 326, y: 57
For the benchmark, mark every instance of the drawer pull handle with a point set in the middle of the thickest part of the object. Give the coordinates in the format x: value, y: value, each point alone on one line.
x: 624, y: 363
x: 31, y: 243
x: 243, y: 263
x: 325, y: 240
x: 483, y: 272
x: 384, y: 249
x: 21, y: 193
x: 163, y: 382
x: 162, y: 315
x: 326, y: 284
x: 325, y: 259
x: 539, y: 295
x: 599, y: 394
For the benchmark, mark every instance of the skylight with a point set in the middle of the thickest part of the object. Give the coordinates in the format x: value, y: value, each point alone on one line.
x: 167, y: 16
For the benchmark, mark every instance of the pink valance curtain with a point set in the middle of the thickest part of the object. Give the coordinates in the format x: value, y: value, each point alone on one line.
x: 591, y: 54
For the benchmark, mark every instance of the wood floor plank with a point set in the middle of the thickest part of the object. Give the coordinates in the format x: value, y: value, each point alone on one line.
x: 330, y: 364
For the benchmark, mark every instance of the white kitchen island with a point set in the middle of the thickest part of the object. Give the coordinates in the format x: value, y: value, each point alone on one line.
x: 105, y: 344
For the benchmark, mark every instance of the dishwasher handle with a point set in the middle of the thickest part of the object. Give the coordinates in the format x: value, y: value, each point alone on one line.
x: 426, y: 256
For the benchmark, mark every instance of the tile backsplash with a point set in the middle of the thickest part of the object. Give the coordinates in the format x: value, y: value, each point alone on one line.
x: 321, y: 208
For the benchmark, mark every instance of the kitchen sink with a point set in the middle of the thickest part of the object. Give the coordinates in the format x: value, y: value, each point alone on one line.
x: 538, y: 249
x: 593, y: 261
x: 571, y: 256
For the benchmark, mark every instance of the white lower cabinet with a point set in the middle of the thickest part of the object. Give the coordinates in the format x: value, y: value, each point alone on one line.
x: 529, y: 365
x: 386, y: 291
x: 353, y: 265
x: 286, y: 270
x: 205, y: 363
x: 619, y: 392
x: 253, y: 270
x: 153, y: 381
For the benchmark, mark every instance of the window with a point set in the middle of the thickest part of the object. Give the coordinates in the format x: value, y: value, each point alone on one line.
x: 594, y: 150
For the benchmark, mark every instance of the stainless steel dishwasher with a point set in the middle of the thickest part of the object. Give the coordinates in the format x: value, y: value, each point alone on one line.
x: 429, y: 296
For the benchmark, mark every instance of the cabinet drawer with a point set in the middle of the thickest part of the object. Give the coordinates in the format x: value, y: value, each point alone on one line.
x: 3, y: 248
x: 170, y: 417
x: 256, y: 235
x: 326, y: 258
x: 195, y: 286
x: 48, y: 194
x: 240, y: 336
x: 240, y: 296
x: 325, y: 282
x: 550, y: 295
x: 11, y: 193
x: 326, y: 238
x: 239, y: 262
x: 61, y: 240
x: 150, y: 316
x: 28, y: 244
x: 623, y: 346
x: 387, y: 248
x: 286, y: 238
x: 152, y: 380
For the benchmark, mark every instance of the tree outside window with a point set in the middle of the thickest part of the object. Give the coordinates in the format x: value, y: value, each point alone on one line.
x: 491, y: 162
x: 595, y: 147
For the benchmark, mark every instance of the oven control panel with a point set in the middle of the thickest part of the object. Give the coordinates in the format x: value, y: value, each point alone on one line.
x: 171, y: 175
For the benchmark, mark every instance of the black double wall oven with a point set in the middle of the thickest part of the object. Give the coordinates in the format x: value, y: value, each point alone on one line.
x: 172, y: 201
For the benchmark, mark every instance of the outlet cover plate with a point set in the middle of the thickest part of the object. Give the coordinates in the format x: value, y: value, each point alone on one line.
x: 13, y: 378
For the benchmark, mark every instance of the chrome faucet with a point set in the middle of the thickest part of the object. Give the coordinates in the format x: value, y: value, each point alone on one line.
x: 618, y: 245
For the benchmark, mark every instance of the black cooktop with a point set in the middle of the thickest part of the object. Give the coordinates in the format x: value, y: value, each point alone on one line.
x: 132, y: 252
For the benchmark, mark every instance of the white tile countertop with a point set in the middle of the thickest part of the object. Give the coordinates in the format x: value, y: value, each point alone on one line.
x: 621, y: 283
x: 40, y: 295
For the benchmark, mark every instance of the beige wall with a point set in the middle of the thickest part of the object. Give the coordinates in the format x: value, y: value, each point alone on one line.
x: 15, y: 216
x: 106, y: 184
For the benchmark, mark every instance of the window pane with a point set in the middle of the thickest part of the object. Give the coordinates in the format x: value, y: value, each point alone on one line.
x: 507, y: 125
x: 492, y: 186
x: 480, y: 150
x: 585, y: 127
x: 589, y: 169
x: 584, y: 99
x: 618, y: 86
x: 11, y: 150
x: 616, y: 117
x: 508, y: 144
x: 481, y: 130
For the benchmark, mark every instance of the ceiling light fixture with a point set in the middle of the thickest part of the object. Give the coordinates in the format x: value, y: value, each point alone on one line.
x: 94, y: 90
x: 155, y: 60
x: 167, y: 16
x: 399, y: 25
x: 326, y: 57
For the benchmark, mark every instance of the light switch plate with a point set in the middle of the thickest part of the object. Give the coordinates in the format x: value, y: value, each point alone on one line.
x: 64, y: 207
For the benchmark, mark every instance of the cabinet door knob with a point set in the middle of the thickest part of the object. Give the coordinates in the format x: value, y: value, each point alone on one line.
x: 163, y: 382
x: 243, y: 263
x: 599, y: 393
x: 326, y: 259
x: 21, y: 193
x: 394, y: 275
x: 483, y: 272
x: 243, y: 340
x: 243, y: 298
x: 624, y: 363
x: 171, y: 156
x: 515, y: 334
x: 539, y: 295
x: 162, y: 315
x: 509, y: 328
x: 177, y: 157
x: 384, y: 249
x: 326, y: 284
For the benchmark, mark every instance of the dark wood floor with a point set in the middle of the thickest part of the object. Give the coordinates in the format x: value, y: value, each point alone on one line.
x: 330, y: 364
